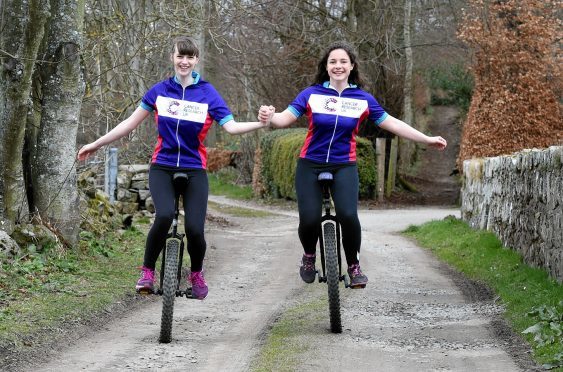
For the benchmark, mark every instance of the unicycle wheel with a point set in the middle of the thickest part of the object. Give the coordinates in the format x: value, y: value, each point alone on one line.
x: 332, y: 276
x: 169, y: 286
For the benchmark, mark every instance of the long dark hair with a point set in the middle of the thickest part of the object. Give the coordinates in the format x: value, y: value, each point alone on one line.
x: 186, y: 46
x: 322, y: 73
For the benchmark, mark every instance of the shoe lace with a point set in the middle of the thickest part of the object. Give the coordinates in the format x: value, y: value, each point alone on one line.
x: 309, y: 263
x: 197, y: 279
x: 147, y: 274
x: 355, y: 270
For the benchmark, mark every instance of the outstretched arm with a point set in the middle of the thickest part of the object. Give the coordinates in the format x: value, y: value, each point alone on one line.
x: 234, y: 127
x: 402, y: 129
x: 121, y: 130
x: 264, y: 116
x: 282, y: 119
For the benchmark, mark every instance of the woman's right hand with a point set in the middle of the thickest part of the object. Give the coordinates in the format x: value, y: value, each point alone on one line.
x: 265, y: 114
x: 87, y: 150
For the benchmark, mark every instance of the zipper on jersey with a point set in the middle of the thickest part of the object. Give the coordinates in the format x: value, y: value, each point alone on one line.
x: 335, y: 125
x: 177, y: 128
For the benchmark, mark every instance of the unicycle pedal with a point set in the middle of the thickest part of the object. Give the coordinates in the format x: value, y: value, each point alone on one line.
x: 189, y: 294
x: 346, y: 282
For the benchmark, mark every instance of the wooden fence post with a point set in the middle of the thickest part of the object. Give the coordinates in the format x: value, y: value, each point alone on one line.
x: 391, y: 174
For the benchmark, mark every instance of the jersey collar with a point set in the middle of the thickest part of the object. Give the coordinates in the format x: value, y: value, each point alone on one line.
x: 326, y: 84
x: 195, y: 75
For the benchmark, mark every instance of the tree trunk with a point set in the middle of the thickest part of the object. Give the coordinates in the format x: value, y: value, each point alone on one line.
x: 22, y: 31
x: 406, y: 148
x: 407, y: 88
x: 208, y: 12
x: 54, y: 175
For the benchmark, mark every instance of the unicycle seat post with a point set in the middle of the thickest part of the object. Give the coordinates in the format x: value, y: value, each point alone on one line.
x: 180, y: 181
x: 325, y: 179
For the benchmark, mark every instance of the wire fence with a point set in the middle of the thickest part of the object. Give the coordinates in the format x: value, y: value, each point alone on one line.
x: 104, y: 165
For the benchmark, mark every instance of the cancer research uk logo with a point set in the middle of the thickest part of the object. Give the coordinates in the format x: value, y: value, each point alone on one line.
x: 173, y: 107
x: 184, y: 110
x: 330, y: 104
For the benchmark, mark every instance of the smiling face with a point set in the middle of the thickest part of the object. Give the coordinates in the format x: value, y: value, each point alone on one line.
x: 184, y: 64
x: 339, y: 66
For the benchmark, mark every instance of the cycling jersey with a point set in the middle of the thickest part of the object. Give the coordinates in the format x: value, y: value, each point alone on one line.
x: 183, y: 117
x: 333, y: 121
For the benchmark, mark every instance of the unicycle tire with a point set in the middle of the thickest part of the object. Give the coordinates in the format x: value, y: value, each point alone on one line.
x: 332, y: 276
x: 169, y: 286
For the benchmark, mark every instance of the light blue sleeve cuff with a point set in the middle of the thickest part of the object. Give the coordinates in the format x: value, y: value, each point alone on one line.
x: 226, y: 119
x: 294, y: 111
x: 146, y: 107
x: 382, y: 118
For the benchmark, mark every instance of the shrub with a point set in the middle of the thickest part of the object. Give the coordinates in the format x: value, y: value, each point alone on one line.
x: 367, y: 168
x: 515, y: 103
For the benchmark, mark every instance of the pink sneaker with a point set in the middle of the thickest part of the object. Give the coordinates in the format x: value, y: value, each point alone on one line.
x: 357, y: 278
x: 307, y: 270
x: 199, y: 286
x: 145, y: 284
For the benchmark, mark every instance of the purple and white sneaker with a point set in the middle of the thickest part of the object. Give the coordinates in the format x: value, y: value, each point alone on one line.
x: 357, y: 278
x: 199, y: 286
x: 145, y: 284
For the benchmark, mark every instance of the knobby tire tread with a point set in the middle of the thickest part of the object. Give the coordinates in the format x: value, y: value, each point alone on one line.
x: 170, y: 284
x: 332, y: 276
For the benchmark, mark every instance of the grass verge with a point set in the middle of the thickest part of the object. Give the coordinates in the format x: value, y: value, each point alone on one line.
x: 224, y: 183
x: 533, y: 301
x: 43, y: 291
x: 238, y: 211
x: 286, y: 341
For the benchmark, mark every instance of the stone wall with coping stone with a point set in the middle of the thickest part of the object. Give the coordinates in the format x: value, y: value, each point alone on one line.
x: 520, y: 198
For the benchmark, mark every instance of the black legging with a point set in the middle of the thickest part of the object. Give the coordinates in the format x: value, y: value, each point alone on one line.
x: 344, y: 190
x: 195, y: 208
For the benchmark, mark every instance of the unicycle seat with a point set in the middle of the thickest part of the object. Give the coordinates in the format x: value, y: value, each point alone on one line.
x: 325, y: 177
x: 180, y: 181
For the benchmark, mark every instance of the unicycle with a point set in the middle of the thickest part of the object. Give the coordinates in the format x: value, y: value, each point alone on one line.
x: 171, y: 270
x: 331, y: 260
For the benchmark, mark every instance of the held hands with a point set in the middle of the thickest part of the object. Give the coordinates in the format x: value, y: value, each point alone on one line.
x: 265, y: 114
x: 438, y: 143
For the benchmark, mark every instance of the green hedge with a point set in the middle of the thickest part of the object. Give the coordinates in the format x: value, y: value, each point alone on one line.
x: 280, y: 150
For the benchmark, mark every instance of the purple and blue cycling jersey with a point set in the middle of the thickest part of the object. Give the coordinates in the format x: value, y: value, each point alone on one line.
x: 183, y: 117
x: 333, y: 121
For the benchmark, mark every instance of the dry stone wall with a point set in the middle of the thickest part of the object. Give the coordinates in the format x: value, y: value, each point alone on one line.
x: 133, y: 189
x: 519, y: 198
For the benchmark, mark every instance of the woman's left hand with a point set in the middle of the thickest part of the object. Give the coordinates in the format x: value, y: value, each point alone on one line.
x: 265, y: 114
x: 438, y: 143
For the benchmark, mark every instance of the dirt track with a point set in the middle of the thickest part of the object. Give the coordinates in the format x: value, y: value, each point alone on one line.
x: 415, y: 314
x: 434, y: 175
